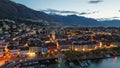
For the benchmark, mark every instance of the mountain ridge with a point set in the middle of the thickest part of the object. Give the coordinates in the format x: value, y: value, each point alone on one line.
x: 12, y: 10
x: 75, y: 20
x: 23, y: 14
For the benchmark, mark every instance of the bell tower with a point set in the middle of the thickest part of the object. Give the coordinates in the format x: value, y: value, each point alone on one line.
x: 53, y: 34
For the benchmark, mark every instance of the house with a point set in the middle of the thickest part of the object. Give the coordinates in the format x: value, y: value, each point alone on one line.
x: 79, y: 46
x: 65, y: 45
x: 51, y: 46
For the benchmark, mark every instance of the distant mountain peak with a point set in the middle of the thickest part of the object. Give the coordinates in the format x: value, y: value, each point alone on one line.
x: 21, y: 13
x: 74, y: 20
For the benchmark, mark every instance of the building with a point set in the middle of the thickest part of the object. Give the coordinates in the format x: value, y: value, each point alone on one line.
x: 80, y: 46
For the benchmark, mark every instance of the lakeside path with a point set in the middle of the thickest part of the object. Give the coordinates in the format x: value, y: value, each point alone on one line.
x: 101, y: 53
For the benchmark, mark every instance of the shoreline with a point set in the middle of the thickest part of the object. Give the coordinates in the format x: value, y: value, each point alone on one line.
x: 79, y: 57
x: 85, y: 62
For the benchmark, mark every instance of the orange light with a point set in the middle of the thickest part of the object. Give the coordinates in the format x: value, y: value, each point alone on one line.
x: 76, y: 49
x: 83, y: 49
x: 55, y: 50
x: 31, y: 54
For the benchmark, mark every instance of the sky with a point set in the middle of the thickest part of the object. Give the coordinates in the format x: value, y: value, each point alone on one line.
x: 90, y: 8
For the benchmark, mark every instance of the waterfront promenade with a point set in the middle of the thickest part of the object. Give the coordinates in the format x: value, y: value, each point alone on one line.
x: 23, y: 61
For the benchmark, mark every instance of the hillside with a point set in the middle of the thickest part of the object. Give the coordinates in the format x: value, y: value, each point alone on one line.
x: 74, y: 20
x: 15, y: 11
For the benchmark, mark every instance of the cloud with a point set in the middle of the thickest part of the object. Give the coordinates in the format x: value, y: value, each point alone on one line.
x: 53, y: 11
x: 115, y: 18
x: 58, y: 11
x: 95, y: 1
x: 83, y: 13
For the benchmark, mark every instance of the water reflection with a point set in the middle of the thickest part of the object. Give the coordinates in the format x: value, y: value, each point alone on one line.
x: 102, y: 63
x: 114, y: 59
x: 106, y: 63
x: 97, y: 61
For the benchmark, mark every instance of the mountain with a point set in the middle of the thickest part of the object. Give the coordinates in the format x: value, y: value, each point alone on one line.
x: 74, y: 20
x: 15, y: 11
x: 23, y: 14
x: 111, y: 23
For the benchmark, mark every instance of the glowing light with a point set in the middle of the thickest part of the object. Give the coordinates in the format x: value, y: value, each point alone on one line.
x: 47, y: 41
x: 31, y: 54
x: 101, y: 45
x: 96, y: 47
x: 57, y: 44
x: 114, y: 59
x: 83, y: 49
x: 76, y: 49
x: 26, y: 45
x: 55, y: 50
x: 14, y: 39
x: 48, y: 51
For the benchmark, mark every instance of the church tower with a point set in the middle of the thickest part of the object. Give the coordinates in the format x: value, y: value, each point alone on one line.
x: 53, y: 35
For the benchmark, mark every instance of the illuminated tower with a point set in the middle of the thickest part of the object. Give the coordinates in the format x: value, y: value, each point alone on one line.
x: 53, y: 35
x: 57, y: 44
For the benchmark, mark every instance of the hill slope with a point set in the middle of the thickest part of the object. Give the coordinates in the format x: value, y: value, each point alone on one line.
x: 75, y: 20
x: 12, y: 10
x: 21, y: 13
x: 112, y: 23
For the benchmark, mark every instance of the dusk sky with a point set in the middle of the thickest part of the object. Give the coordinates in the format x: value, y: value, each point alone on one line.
x: 95, y: 8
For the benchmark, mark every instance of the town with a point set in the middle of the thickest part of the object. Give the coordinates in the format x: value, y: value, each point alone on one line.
x: 26, y: 42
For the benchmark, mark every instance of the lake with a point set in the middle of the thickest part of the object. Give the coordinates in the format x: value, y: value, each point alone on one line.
x: 103, y: 63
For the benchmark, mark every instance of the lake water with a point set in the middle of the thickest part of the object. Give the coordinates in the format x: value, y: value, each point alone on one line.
x: 104, y: 63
